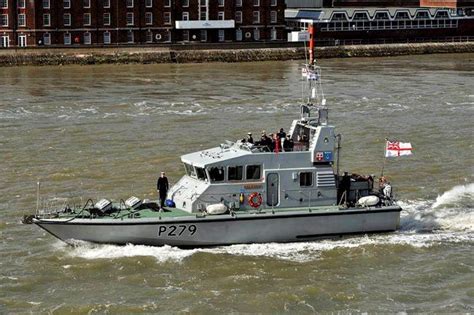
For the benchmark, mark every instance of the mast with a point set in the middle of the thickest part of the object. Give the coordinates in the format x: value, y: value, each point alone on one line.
x: 311, y: 43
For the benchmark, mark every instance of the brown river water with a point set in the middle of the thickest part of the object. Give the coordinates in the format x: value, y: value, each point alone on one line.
x: 107, y: 131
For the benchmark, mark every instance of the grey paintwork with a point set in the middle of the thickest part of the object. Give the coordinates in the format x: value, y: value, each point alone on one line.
x: 227, y: 229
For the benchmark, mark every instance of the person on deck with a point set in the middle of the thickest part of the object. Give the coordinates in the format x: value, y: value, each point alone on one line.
x: 288, y: 144
x: 249, y: 138
x: 162, y: 187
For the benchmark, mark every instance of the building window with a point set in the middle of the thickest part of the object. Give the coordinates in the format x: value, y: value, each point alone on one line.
x: 47, y: 39
x: 168, y: 36
x: 253, y: 172
x: 221, y: 3
x: 129, y: 3
x: 273, y: 3
x: 87, y: 19
x: 130, y: 18
x: 87, y: 4
x: 107, y: 38
x: 256, y: 34
x: 203, y: 15
x: 87, y: 38
x: 106, y: 18
x: 256, y: 3
x: 238, y: 35
x: 4, y: 20
x: 130, y: 38
x: 167, y: 17
x: 273, y: 35
x: 273, y: 16
x: 306, y: 179
x: 220, y: 15
x: 106, y: 3
x: 46, y: 20
x: 67, y: 39
x: 185, y: 16
x: 238, y: 16
x: 22, y: 4
x: 67, y: 19
x: 149, y: 37
x: 4, y: 4
x: 256, y: 17
x: 203, y: 36
x: 21, y: 19
x: 186, y: 35
x: 185, y: 3
x: 238, y: 3
x: 221, y: 35
x: 148, y: 18
x: 46, y: 4
x: 167, y: 3
x: 149, y: 4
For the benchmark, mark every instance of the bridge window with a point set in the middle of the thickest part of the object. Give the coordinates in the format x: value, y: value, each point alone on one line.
x: 306, y: 179
x: 235, y: 172
x: 217, y: 174
x: 201, y: 173
x: 253, y: 172
x: 189, y: 170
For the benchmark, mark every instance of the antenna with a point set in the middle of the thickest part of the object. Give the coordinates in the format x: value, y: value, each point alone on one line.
x: 38, y: 187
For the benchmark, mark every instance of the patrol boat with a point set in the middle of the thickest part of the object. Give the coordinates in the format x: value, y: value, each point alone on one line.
x: 241, y: 192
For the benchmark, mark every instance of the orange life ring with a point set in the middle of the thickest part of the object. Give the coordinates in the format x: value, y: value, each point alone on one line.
x: 255, y: 200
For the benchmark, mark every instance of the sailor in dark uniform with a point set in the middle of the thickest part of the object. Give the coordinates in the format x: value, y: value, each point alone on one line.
x: 249, y: 138
x: 162, y: 187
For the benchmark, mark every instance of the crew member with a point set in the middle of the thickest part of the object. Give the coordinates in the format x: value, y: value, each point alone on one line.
x: 288, y: 143
x: 162, y: 187
x: 249, y: 138
x: 281, y: 134
x: 345, y: 188
x: 387, y: 191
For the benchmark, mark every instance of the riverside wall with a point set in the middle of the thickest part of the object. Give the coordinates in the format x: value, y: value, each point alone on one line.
x: 124, y: 55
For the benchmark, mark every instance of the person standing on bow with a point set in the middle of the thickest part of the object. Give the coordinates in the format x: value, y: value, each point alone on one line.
x: 162, y: 187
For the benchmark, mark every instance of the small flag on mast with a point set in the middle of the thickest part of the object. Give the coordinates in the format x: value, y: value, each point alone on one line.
x: 396, y: 148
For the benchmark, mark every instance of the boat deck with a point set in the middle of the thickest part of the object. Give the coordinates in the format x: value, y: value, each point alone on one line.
x: 168, y: 213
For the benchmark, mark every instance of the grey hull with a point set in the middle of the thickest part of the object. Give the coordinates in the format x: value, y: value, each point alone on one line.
x: 225, y: 229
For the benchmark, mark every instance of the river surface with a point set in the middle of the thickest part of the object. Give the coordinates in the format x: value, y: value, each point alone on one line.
x: 107, y: 131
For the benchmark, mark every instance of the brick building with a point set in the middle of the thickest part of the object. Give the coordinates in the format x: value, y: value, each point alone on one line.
x: 110, y: 22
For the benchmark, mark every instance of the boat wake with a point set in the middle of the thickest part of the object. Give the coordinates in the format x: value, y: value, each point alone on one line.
x: 447, y: 220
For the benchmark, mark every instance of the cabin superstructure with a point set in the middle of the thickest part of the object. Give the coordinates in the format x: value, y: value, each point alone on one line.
x: 231, y: 173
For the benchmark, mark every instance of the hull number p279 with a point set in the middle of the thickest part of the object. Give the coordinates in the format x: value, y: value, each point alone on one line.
x: 176, y: 230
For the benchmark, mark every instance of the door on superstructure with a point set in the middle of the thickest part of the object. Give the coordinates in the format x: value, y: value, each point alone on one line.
x: 273, y: 187
x: 22, y: 41
x: 4, y: 42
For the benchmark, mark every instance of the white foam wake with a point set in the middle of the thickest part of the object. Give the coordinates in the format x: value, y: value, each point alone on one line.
x: 458, y: 195
x: 451, y: 211
x: 424, y: 223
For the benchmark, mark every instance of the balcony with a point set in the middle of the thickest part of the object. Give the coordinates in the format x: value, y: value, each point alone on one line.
x: 205, y: 24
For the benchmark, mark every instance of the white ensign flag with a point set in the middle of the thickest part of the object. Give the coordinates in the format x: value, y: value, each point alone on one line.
x: 396, y: 148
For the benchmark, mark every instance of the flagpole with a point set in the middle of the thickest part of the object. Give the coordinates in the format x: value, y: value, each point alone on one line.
x: 385, y: 158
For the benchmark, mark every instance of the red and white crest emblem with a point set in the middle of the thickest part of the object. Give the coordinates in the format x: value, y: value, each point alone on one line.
x: 319, y: 156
